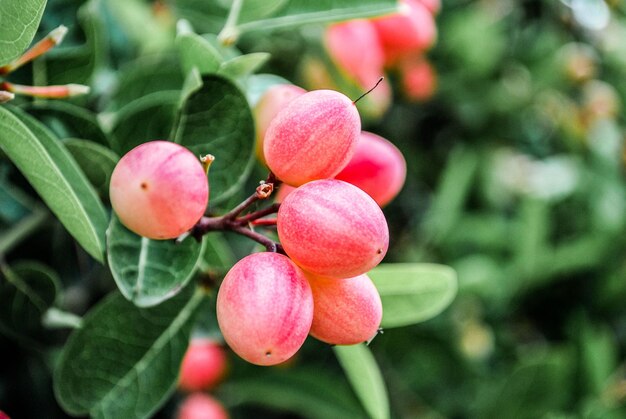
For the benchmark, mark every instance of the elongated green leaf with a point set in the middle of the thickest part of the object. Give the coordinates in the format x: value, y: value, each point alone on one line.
x: 312, y: 394
x: 299, y: 12
x: 27, y: 290
x: 96, y: 161
x: 413, y: 292
x: 195, y: 51
x: 19, y: 20
x: 243, y: 65
x: 145, y: 119
x: 363, y: 374
x: 216, y: 119
x: 54, y: 174
x: 67, y: 120
x: 146, y: 271
x: 124, y: 361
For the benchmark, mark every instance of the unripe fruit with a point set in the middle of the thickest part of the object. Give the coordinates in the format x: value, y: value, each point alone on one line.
x: 332, y: 228
x: 314, y: 137
x: 377, y: 168
x: 201, y: 406
x: 411, y: 30
x: 265, y: 308
x: 159, y: 190
x: 272, y: 101
x: 355, y: 48
x: 203, y: 367
x: 346, y: 311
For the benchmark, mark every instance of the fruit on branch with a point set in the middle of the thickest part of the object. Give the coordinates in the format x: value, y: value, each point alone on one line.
x: 346, y: 311
x: 411, y: 30
x: 203, y: 366
x: 265, y: 308
x: 272, y: 101
x: 332, y: 228
x: 377, y: 168
x: 433, y: 6
x: 313, y: 137
x: 355, y: 48
x: 159, y: 190
x: 201, y: 406
x: 417, y: 78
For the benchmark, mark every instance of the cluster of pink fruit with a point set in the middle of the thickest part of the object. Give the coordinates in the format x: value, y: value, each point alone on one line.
x: 332, y: 232
x: 363, y: 49
x: 203, y: 368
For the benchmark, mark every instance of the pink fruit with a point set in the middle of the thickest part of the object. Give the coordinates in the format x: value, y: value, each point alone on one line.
x: 332, y: 228
x: 418, y: 79
x: 433, y: 6
x: 159, y: 190
x: 203, y: 367
x: 346, y: 311
x: 313, y: 137
x: 272, y: 101
x: 265, y: 308
x: 355, y: 48
x: 377, y: 168
x: 411, y: 30
x: 201, y: 406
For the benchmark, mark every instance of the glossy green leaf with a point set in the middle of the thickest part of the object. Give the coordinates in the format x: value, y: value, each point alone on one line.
x: 77, y: 64
x: 67, y: 120
x: 27, y: 291
x: 364, y: 375
x: 195, y: 51
x: 300, y: 12
x: 145, y: 75
x: 124, y: 361
x: 54, y: 174
x: 96, y: 161
x: 312, y: 394
x: 19, y: 20
x: 146, y: 271
x: 216, y: 119
x: 413, y: 292
x: 145, y: 119
x: 243, y: 65
x: 218, y: 256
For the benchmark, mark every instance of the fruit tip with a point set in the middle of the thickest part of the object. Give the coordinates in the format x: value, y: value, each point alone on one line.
x: 6, y: 96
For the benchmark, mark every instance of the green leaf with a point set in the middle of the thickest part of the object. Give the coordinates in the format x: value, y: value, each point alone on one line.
x: 257, y: 84
x: 147, y: 272
x: 216, y: 119
x: 77, y: 64
x: 96, y: 161
x: 413, y: 292
x: 145, y: 119
x: 124, y: 361
x: 27, y: 290
x: 67, y: 120
x: 364, y: 375
x: 19, y: 20
x: 243, y: 65
x: 300, y: 12
x: 217, y: 255
x: 145, y: 75
x: 54, y: 174
x: 195, y: 51
x: 311, y: 393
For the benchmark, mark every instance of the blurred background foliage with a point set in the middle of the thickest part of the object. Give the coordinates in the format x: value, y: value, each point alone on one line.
x: 515, y: 179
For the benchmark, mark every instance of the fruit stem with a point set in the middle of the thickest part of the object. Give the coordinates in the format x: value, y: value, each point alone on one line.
x: 369, y: 91
x: 231, y: 221
x: 264, y: 222
x: 48, y: 92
